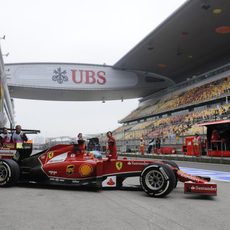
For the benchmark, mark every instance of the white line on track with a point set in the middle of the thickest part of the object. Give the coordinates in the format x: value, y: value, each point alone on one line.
x: 215, y: 175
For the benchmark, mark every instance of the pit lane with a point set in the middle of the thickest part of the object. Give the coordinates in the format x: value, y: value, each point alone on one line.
x: 43, y: 207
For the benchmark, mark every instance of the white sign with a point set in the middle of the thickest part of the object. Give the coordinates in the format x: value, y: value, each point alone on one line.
x: 69, y: 76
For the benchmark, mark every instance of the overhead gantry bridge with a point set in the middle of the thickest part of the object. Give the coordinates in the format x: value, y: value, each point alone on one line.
x: 80, y: 82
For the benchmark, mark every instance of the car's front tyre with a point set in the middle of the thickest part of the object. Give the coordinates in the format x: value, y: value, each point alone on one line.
x: 176, y: 167
x: 157, y: 180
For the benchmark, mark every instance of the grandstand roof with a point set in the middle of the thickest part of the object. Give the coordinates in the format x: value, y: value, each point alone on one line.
x: 215, y: 123
x: 193, y: 40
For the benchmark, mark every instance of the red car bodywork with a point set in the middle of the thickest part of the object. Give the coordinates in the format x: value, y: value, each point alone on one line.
x: 67, y: 164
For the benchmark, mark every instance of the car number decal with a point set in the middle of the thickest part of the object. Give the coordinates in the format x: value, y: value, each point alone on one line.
x: 70, y: 169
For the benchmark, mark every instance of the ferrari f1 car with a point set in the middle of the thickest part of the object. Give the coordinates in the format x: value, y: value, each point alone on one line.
x: 70, y: 165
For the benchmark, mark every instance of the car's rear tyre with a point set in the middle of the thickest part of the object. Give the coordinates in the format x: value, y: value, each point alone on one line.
x: 157, y: 180
x: 9, y: 172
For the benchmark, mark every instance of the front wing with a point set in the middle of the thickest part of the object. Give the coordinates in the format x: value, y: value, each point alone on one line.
x: 197, y: 184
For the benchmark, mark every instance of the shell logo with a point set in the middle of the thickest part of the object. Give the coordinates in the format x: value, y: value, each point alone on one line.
x: 85, y: 169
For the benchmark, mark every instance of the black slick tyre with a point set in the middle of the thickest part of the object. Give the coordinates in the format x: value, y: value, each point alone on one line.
x: 176, y: 167
x: 171, y: 163
x: 157, y: 180
x: 9, y: 172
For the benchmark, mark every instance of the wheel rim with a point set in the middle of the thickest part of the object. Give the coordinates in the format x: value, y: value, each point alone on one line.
x: 3, y: 173
x: 154, y: 180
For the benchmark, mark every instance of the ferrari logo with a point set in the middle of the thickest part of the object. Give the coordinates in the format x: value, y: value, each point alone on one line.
x: 50, y: 155
x: 119, y: 165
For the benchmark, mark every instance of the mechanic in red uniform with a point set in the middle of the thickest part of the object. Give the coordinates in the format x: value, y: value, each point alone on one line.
x: 215, y: 139
x: 112, y: 148
x: 5, y: 137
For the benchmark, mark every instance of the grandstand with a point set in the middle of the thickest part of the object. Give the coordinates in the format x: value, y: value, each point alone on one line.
x: 175, y: 113
x: 191, y: 48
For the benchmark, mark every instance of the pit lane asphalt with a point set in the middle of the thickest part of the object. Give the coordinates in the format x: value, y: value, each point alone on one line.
x: 27, y: 207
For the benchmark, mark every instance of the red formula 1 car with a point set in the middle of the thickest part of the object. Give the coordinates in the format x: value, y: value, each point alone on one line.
x: 69, y: 165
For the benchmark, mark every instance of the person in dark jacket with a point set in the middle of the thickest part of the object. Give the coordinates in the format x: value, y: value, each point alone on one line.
x: 150, y: 147
x: 158, y: 143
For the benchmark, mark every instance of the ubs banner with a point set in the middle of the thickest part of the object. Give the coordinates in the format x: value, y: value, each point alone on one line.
x: 69, y: 76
